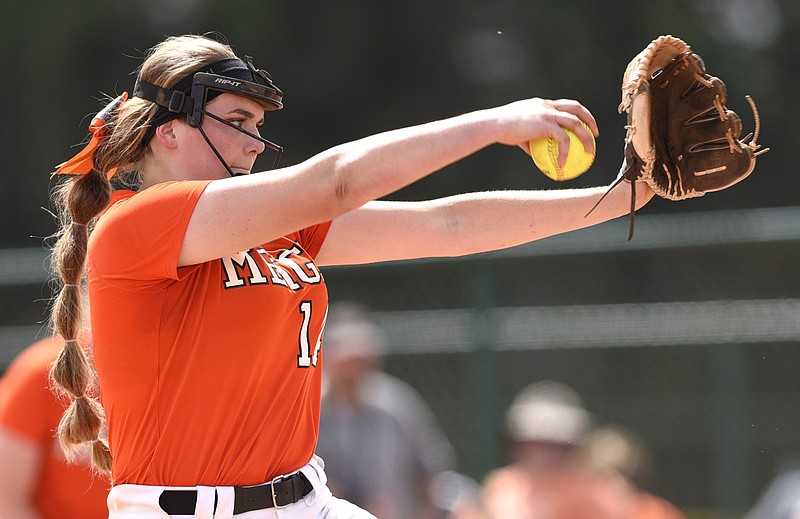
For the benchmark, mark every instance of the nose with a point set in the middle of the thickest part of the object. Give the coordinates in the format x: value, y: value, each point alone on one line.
x: 256, y: 145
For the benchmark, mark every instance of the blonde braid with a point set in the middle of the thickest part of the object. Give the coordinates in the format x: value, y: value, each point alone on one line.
x: 83, y: 198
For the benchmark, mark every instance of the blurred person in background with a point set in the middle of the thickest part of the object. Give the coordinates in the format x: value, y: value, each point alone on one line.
x: 780, y: 499
x: 563, y: 468
x: 380, y: 441
x: 36, y: 481
x: 546, y: 426
x: 622, y: 459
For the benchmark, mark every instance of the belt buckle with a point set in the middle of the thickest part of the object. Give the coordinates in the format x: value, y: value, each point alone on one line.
x: 276, y: 479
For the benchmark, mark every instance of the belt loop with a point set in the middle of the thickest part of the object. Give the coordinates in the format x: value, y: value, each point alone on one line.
x: 225, y: 502
x: 317, y: 465
x: 206, y: 500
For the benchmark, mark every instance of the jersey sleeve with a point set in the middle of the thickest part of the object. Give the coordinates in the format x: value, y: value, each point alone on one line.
x: 139, y: 237
x: 312, y: 238
x: 27, y: 404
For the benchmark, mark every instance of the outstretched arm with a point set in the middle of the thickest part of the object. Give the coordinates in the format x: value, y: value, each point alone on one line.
x: 237, y: 213
x: 469, y: 223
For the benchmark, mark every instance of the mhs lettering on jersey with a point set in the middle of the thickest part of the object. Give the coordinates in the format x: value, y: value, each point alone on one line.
x: 290, y: 269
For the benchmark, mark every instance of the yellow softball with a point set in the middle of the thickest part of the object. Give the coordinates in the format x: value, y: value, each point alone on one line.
x: 545, y: 156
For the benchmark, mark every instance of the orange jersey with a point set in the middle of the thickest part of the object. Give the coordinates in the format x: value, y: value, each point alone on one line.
x: 211, y: 373
x: 29, y: 408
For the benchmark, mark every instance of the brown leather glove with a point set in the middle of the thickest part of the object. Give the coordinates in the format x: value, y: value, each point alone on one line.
x: 681, y: 138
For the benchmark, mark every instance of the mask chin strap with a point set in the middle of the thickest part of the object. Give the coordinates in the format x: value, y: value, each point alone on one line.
x: 271, y: 145
x: 214, y: 149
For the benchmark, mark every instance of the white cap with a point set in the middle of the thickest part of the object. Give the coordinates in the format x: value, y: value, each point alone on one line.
x: 548, y: 411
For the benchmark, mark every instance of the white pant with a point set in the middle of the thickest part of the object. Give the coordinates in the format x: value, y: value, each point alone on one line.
x: 141, y: 502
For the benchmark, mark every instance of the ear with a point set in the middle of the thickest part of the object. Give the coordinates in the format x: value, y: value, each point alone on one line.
x: 166, y: 135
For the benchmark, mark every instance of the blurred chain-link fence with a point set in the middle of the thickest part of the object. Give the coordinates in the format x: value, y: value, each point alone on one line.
x: 685, y: 335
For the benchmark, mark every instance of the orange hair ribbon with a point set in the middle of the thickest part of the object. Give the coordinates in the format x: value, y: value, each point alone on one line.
x: 83, y: 162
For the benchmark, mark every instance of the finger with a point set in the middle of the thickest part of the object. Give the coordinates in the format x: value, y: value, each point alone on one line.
x: 586, y: 138
x: 561, y: 137
x: 578, y: 127
x: 552, y: 131
x: 577, y: 109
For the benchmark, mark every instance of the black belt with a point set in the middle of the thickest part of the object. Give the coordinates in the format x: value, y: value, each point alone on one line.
x: 278, y: 493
